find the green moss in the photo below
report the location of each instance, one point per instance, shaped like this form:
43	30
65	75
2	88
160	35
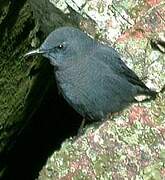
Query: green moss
14	82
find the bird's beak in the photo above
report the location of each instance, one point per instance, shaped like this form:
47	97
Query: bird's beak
36	51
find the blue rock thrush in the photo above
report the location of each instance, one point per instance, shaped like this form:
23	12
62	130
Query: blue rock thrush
90	75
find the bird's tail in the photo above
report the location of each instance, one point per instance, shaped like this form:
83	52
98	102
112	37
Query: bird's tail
152	94
147	94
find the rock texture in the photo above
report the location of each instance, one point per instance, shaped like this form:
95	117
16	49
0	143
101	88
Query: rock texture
129	145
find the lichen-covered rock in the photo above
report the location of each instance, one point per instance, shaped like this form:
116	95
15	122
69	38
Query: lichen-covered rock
131	144
113	151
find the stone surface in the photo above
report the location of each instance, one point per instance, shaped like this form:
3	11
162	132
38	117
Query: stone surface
130	144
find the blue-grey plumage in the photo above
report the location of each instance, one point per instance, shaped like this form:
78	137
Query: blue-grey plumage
90	75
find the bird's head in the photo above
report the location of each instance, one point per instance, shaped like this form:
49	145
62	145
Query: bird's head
65	45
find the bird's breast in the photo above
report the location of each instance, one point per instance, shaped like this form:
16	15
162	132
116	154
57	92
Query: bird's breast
75	75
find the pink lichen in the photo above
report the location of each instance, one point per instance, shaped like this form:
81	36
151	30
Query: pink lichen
141	114
153	2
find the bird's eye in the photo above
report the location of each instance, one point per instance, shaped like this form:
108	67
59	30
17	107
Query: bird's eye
60	46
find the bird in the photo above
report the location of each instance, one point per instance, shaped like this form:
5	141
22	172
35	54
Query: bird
90	75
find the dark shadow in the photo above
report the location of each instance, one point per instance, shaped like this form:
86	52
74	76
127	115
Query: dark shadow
12	16
51	123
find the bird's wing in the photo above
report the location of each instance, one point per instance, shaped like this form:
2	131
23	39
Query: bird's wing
111	58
